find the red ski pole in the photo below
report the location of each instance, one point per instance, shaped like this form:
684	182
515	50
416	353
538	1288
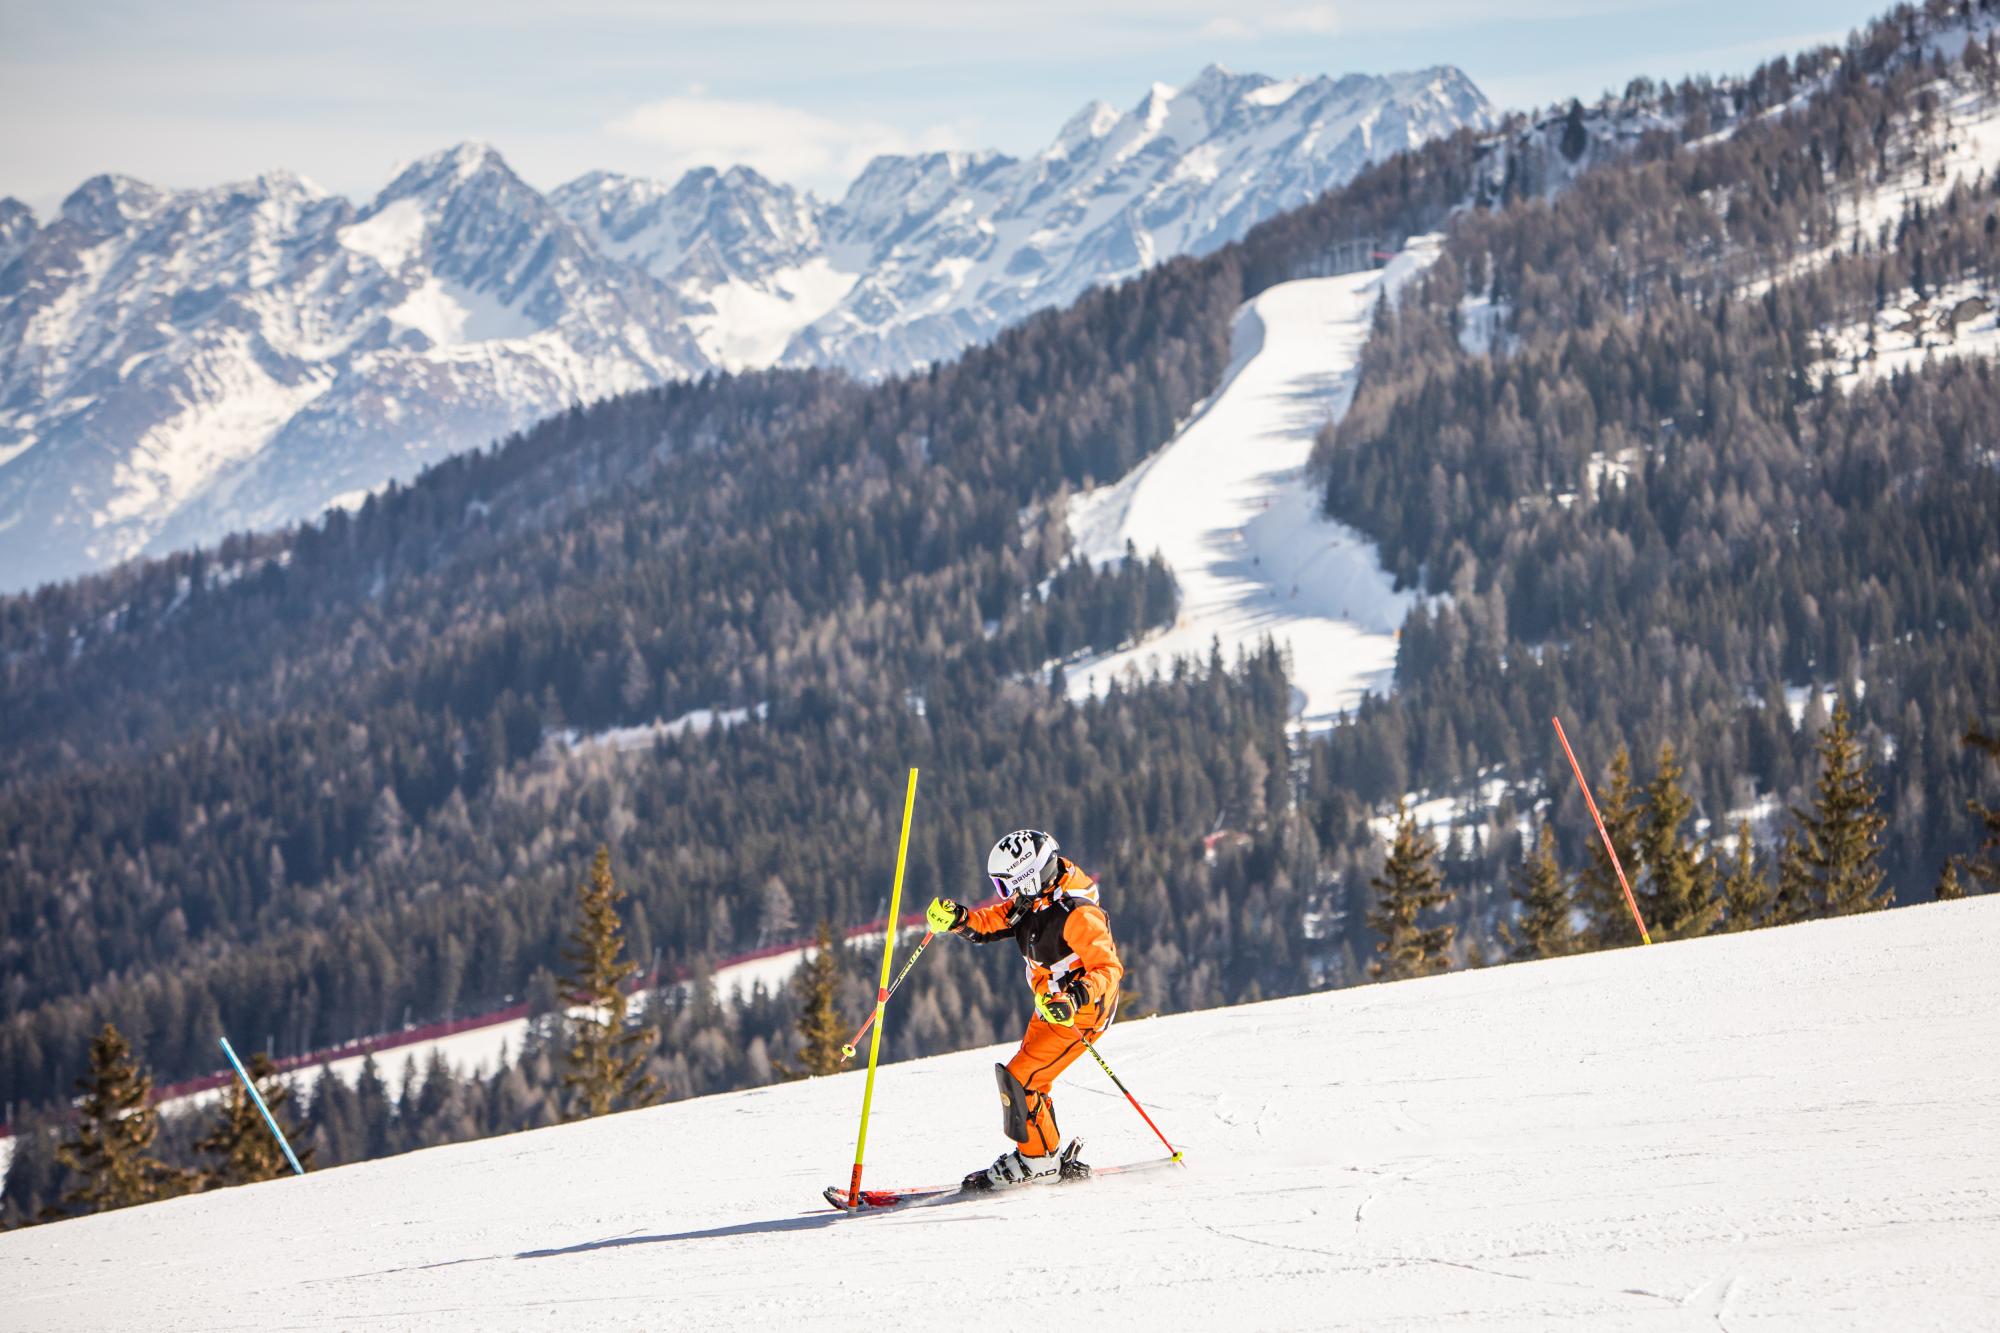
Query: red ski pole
1088	1045
1630	901
847	1051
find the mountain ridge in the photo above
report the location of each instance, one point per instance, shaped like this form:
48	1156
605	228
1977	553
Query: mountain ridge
176	365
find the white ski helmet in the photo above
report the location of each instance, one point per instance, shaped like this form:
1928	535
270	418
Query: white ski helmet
1022	863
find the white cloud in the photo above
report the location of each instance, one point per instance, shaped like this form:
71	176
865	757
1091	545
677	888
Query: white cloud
784	142
1311	20
1319	20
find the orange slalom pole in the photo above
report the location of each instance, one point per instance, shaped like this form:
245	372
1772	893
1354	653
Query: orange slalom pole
1575	768
882	993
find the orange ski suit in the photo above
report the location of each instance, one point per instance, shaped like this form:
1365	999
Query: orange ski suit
1066	942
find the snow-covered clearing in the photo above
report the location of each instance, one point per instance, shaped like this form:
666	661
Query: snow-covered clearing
648	734
1228	505
1955	320
1785	1129
1436	815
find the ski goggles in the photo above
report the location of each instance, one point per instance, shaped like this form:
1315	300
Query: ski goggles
1024	885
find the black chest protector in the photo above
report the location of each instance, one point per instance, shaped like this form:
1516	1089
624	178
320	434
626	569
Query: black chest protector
1039	931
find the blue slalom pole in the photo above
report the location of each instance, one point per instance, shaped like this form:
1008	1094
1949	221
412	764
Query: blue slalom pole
258	1098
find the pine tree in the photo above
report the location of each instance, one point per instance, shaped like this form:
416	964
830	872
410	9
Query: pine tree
818	983
241	1142
1949	887
1408	885
1832	864
1574	137
1543	929
1677	893
1598	890
606	1056
1746	893
109	1150
1793	898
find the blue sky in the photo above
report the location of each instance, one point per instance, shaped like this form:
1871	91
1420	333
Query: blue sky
204	91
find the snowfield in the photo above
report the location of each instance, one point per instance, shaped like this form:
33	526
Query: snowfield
1229	506
1789	1129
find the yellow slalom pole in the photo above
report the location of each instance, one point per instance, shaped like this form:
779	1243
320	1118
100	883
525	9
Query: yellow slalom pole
882	991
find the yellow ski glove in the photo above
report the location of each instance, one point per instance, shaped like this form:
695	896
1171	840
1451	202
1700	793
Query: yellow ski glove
943	914
1057	1009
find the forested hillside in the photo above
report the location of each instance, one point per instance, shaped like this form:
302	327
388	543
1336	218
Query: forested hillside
305	784
1662	496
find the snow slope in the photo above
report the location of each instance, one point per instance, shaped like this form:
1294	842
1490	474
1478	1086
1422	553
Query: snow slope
1229	506
1787	1129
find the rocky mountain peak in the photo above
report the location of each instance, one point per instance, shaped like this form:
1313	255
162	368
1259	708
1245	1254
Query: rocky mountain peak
106	205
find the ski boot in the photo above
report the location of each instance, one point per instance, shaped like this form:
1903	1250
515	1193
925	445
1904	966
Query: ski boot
1072	1166
1011	1169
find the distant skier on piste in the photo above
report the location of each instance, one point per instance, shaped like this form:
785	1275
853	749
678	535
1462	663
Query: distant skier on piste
1049	908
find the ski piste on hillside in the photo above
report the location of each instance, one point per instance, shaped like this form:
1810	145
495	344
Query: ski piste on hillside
1786	1129
1227	503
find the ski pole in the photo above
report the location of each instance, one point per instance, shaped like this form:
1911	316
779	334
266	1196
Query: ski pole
258	1098
1578	770
847	1051
1101	1064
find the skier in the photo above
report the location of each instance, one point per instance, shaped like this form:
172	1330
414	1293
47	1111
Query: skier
1049	908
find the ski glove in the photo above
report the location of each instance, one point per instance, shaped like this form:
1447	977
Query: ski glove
943	914
1057	1009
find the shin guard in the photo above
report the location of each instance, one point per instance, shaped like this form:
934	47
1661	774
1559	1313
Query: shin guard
1013	1105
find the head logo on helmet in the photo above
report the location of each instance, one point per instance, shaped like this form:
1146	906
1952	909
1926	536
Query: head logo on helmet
1022	863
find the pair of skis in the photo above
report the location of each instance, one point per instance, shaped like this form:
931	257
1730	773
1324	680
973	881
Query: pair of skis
923	1196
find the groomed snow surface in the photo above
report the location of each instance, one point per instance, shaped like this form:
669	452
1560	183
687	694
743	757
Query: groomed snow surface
1228	505
1787	1129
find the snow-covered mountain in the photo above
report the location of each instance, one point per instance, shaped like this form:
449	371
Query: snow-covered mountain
176	365
928	253
1787	1129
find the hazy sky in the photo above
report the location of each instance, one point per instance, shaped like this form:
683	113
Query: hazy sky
203	91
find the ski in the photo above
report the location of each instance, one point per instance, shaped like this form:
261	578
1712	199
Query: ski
874	1200
878	1200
